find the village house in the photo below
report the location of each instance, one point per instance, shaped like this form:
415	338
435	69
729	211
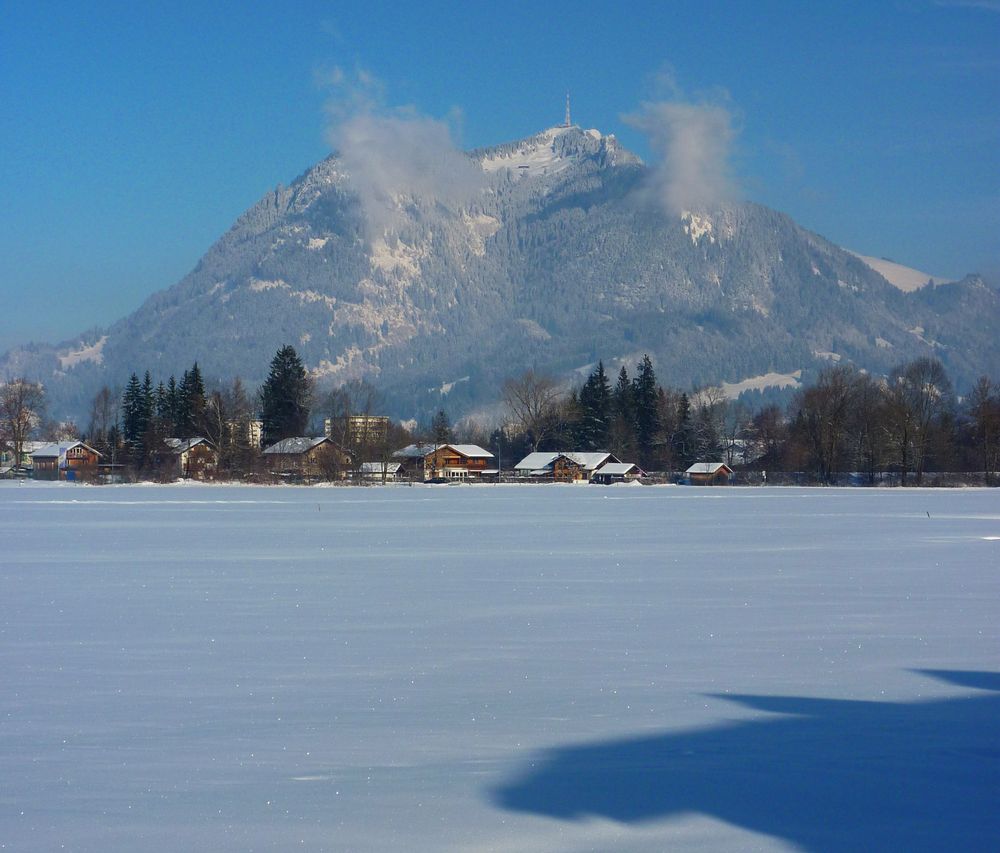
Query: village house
303	456
563	466
195	458
68	460
709	474
617	472
445	461
378	472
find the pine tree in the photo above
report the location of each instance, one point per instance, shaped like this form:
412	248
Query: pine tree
173	413
621	436
285	397
684	438
191	403
647	421
594	403
441	428
136	411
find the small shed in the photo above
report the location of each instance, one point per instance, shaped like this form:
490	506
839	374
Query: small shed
616	472
377	472
709	474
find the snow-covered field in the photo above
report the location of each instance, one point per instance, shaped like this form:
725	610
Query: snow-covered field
498	668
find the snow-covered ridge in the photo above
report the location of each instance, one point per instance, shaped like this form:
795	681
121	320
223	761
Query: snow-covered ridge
548	152
905	278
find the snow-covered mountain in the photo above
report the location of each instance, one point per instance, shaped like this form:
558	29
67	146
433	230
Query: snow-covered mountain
556	255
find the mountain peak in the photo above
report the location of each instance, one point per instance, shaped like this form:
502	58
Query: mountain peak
552	150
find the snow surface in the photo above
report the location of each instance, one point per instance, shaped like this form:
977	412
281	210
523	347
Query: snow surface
498	668
92	352
905	278
535	156
732	390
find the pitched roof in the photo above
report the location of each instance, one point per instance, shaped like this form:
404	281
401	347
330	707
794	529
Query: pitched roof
296	445
180	445
473	451
543	461
415	451
537	461
589	461
619	468
376	467
419	451
54	451
707	468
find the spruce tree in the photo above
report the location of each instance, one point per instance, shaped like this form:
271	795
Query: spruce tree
647	420
191	403
173	412
594	404
132	423
441	428
684	443
285	397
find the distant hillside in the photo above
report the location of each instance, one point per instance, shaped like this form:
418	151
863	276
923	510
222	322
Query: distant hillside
559	259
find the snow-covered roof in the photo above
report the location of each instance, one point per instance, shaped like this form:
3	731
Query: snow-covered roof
377	467
472	450
180	445
418	451
619	468
299	444
707	468
415	451
537	461
542	461
54	451
590	461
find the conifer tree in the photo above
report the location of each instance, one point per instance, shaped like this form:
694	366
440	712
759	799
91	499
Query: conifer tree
594	405
621	434
647	420
285	397
441	428
191	403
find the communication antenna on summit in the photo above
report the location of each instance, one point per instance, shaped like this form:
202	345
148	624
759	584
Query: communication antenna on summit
568	123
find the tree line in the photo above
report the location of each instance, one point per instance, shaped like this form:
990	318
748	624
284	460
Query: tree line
847	421
905	424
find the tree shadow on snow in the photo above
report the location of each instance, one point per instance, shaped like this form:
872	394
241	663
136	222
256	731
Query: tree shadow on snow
828	775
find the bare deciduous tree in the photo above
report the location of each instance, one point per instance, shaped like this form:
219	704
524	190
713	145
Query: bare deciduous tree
21	407
534	400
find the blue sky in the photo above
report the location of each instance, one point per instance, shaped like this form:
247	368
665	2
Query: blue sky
131	137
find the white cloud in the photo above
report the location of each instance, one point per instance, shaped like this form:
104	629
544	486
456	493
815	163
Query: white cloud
393	155
693	146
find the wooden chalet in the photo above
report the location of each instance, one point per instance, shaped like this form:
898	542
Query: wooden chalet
194	458
445	461
69	460
709	474
303	456
563	466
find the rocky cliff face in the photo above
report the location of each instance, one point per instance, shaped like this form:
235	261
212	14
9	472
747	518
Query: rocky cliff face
557	258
